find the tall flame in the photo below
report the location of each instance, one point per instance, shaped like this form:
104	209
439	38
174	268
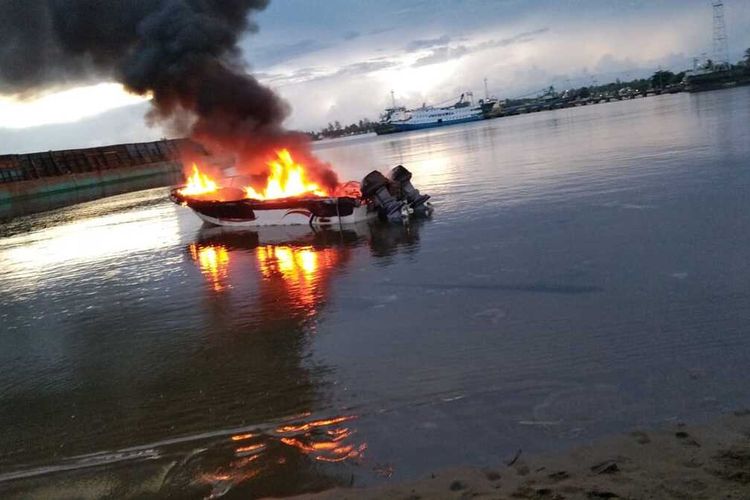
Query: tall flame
198	183
286	179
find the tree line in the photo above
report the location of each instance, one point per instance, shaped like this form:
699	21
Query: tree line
335	129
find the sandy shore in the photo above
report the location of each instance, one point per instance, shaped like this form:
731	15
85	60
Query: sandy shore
682	462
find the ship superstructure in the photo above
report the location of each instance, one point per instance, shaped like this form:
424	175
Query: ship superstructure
401	119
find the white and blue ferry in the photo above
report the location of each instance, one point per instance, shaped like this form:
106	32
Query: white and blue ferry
400	119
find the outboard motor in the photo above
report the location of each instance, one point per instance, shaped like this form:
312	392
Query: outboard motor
375	188
400	176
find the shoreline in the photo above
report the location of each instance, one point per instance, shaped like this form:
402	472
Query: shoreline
679	461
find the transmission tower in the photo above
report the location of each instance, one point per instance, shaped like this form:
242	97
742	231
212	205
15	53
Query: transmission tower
721	43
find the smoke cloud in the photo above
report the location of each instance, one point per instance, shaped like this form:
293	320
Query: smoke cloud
184	53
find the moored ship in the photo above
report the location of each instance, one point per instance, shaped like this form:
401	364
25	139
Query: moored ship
400	119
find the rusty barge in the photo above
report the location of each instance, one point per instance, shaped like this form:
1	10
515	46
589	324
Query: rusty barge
35	182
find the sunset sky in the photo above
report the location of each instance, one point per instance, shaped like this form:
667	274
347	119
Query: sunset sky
339	59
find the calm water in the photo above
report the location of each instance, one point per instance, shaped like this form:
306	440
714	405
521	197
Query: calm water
586	272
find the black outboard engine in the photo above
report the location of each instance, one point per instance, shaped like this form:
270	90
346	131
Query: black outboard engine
401	177
375	188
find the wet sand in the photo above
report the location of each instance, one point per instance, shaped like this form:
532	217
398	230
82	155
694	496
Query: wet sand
679	461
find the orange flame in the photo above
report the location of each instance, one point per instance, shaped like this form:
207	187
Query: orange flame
198	183
286	179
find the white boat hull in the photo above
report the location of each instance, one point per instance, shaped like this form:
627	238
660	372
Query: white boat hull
293	217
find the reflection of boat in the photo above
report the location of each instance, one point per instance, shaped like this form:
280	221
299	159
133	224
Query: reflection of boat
244	408
391	198
273	311
249	407
295	267
214	245
299	254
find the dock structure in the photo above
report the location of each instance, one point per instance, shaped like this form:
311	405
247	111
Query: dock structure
544	103
30	175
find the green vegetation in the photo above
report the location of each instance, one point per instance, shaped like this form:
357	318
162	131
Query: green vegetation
335	129
662	79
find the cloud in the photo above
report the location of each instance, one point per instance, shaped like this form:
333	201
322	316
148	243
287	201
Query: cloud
427	43
364	67
447	53
298	75
269	55
328	74
526	36
379	31
120	125
442	54
609	63
311	74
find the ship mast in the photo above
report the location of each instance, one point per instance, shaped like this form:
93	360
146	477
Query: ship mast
393	99
486	92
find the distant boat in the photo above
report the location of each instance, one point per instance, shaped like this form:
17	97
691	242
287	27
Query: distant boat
714	77
400	119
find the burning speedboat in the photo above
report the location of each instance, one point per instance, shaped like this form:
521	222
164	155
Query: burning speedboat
288	199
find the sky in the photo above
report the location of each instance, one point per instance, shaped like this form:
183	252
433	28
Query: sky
340	59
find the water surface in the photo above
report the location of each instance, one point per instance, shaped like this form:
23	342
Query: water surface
585	273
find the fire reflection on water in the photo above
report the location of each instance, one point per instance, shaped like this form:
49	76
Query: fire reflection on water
252	459
294	270
302	269
292	278
326	445
213	261
300	265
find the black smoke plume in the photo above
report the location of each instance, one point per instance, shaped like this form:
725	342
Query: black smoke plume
184	53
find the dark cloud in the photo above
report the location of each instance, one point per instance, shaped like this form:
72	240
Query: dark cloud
447	53
427	43
184	53
351	35
52	42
